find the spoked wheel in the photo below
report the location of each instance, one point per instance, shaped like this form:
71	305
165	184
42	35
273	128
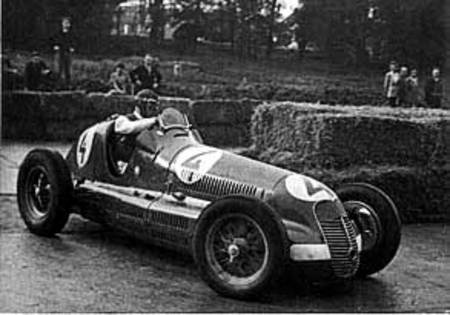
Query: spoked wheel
44	191
378	222
239	247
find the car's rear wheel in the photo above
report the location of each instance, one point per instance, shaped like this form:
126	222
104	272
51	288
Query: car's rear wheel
44	191
378	222
239	248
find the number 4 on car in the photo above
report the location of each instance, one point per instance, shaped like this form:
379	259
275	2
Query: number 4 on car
243	221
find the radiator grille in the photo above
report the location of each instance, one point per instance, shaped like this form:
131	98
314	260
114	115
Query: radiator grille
216	186
341	239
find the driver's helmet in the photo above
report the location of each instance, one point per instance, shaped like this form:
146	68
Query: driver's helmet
146	109
172	117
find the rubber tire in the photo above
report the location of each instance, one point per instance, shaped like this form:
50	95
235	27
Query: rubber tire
58	175
388	243
269	222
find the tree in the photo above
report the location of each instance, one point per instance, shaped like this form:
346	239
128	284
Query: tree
271	21
358	31
29	23
156	11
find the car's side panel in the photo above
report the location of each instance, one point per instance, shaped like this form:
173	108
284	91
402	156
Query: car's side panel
148	215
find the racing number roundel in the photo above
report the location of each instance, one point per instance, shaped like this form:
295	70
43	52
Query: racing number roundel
308	189
194	162
84	146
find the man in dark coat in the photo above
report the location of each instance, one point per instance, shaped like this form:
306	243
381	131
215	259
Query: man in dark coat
64	43
403	86
434	89
147	78
37	73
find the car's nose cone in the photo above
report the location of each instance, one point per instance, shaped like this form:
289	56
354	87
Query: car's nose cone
308	189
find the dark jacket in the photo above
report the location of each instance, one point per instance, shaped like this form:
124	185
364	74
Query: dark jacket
34	76
434	91
147	78
65	41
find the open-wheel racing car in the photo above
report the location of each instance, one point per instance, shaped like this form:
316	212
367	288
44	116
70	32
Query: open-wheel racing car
243	221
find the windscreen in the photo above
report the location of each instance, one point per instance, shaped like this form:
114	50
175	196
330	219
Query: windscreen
171	117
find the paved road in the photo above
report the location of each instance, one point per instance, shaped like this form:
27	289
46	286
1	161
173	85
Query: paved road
89	268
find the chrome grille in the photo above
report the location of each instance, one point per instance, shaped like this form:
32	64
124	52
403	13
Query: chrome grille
216	186
341	239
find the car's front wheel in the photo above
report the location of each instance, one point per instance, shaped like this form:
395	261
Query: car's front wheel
44	191
378	222
239	248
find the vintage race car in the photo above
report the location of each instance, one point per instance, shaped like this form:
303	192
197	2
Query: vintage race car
243	221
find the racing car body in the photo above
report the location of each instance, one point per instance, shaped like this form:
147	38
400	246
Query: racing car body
242	220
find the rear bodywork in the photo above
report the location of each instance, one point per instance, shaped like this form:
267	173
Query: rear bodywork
171	178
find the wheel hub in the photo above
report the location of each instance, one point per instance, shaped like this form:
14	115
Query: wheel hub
39	191
233	252
237	249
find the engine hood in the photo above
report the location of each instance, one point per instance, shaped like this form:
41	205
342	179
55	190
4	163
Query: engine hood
191	164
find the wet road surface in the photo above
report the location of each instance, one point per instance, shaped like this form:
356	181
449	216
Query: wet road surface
89	268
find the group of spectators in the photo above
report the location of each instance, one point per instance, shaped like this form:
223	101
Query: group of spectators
402	87
143	81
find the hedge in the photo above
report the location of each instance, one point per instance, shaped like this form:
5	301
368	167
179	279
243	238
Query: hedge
225	135
222	111
62	116
59	115
337	137
278	92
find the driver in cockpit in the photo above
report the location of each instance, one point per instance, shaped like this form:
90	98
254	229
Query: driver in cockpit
126	129
134	123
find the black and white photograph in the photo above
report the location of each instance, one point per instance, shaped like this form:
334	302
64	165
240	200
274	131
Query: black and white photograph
225	156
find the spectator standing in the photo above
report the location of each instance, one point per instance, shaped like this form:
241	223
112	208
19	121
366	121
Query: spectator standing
391	80
37	73
147	78
11	78
402	86
64	48
434	89
412	88
120	81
